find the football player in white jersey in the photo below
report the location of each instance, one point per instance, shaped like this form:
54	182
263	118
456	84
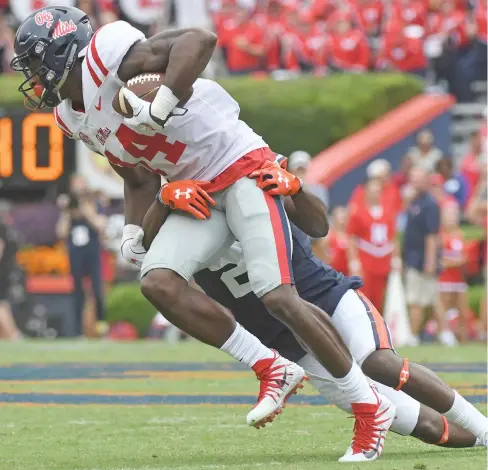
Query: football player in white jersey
204	148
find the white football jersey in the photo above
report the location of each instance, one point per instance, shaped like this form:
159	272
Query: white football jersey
200	144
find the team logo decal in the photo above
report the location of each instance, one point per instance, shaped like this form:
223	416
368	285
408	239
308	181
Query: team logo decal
85	138
44	17
63	28
103	134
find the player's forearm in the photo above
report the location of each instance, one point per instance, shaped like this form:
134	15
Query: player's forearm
188	57
137	200
153	221
308	213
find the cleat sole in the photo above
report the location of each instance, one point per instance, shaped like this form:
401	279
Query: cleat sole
270	418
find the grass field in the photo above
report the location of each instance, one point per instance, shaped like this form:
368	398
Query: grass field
106	406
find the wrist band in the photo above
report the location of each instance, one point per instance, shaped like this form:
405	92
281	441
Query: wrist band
164	102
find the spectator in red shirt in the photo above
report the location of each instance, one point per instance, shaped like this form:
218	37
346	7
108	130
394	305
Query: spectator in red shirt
400	178
333	247
471	163
372	242
380	170
452	281
243	41
451	24
274	22
370	15
304	45
348	49
401	13
402	52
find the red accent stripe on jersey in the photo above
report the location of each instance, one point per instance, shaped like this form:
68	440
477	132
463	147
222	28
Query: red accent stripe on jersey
93	74
61	123
96	57
117	161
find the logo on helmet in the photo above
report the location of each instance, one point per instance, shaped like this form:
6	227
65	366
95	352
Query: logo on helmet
44	17
63	28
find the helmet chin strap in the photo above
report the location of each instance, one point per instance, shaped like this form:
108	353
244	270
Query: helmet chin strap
69	66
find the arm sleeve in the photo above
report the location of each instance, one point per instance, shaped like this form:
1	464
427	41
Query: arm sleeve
109	46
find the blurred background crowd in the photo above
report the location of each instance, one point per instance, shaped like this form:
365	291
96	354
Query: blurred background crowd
443	41
426	221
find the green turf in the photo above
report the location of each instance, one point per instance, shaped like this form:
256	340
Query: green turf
155	351
94	437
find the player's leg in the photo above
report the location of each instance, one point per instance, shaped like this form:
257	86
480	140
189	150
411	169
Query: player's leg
425	386
182	247
260	224
412	418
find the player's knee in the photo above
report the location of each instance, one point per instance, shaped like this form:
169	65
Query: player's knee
430	426
386	367
161	285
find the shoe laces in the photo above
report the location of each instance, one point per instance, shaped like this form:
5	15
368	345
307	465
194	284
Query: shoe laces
271	382
366	433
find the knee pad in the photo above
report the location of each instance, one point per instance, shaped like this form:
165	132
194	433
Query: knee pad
404	375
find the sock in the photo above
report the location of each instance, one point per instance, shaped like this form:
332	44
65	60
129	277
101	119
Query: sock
356	387
245	347
467	416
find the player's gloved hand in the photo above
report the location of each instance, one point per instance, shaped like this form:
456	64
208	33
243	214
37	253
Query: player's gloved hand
188	196
131	248
276	180
142	117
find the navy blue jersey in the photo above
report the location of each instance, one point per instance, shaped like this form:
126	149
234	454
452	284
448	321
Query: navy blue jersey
315	281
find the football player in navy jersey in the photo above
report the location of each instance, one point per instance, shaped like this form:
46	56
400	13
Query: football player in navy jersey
426	407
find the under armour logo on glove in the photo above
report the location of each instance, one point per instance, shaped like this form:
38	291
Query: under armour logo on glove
186	193
283	180
276	180
195	200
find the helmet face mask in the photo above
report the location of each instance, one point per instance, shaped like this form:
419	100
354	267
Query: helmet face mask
46	56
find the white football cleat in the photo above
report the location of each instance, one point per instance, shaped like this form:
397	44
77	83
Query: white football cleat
280	378
372	423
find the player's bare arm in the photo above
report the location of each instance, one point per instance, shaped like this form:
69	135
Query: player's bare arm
308	213
140	186
304	209
181	54
153	221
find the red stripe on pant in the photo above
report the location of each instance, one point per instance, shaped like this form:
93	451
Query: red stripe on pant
378	323
282	249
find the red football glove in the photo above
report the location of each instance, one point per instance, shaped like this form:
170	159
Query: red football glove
188	196
274	179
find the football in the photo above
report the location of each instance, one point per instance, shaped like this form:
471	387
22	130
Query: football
145	86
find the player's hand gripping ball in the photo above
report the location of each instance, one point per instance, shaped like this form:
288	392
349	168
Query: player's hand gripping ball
187	196
276	180
133	101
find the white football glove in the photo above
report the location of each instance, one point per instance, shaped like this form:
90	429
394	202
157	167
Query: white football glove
132	249
142	118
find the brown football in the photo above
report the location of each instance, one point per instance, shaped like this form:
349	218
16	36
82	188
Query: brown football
145	86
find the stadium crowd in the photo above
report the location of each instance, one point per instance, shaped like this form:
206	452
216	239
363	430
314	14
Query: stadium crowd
443	41
411	222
